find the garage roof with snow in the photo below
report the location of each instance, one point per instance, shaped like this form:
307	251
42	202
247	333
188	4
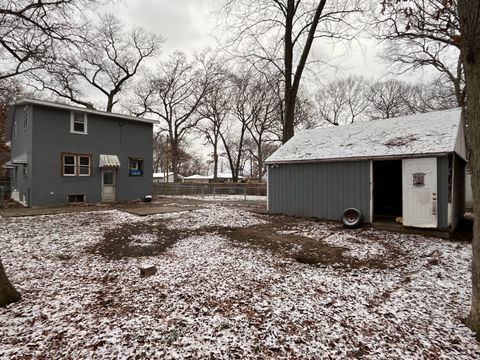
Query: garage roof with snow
431	133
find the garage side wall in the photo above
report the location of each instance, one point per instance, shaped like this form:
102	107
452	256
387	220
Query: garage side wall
321	190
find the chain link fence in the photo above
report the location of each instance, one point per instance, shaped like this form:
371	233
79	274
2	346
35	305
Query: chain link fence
244	190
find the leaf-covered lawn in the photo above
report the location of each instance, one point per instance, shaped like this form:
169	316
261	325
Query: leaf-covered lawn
230	284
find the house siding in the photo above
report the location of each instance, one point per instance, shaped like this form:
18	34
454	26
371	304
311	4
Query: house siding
442	192
322	190
22	144
52	137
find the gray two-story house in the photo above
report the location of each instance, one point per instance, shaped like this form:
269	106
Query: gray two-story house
66	154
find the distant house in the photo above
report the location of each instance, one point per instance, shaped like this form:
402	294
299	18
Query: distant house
65	154
164	177
411	167
221	177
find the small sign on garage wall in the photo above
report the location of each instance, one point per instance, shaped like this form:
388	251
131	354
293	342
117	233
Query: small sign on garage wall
418	179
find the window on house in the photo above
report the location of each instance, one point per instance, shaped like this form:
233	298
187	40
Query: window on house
135	167
76	165
25	117
78	123
76	198
84	165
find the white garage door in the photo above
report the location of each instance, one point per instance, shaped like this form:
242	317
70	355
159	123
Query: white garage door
420	192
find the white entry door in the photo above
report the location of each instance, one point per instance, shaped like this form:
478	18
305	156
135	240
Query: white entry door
108	184
420	192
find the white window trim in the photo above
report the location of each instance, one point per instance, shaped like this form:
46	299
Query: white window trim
74	165
80	166
85	121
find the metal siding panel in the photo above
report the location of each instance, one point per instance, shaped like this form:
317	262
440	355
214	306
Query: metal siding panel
320	190
330	173
311	190
442	191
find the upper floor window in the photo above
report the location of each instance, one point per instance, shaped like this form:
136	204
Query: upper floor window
78	122
135	167
76	165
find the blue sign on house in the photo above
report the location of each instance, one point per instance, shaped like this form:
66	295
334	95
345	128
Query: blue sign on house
135	172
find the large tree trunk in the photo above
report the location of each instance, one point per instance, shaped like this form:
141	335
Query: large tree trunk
469	14
8	294
215	158
175	152
260	161
288	128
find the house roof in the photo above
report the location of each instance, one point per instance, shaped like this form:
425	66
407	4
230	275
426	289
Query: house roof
210	177
24	101
161	175
431	133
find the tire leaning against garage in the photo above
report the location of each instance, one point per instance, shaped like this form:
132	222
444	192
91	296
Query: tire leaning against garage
352	218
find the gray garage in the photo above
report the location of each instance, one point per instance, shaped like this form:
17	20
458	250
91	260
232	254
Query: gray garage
409	169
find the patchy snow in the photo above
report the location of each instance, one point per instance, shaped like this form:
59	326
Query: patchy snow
220	197
142	239
213	299
361	248
428	133
214	215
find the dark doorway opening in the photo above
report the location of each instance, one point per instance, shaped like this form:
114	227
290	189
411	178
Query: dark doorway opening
387	189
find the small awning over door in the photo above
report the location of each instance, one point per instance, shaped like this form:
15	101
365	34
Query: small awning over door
109	161
20	160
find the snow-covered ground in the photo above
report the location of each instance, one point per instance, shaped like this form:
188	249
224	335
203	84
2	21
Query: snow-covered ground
220	197
214	298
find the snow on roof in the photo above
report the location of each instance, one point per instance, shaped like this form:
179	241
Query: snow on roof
164	174
196	176
210	177
427	133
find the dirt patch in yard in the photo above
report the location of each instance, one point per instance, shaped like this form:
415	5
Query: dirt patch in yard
275	237
136	240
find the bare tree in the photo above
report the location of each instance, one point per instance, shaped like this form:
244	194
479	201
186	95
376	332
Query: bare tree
387	99
107	60
10	88
28	28
421	98
8	294
469	17
281	33
343	101
244	108
261	140
161	153
422	33
174	96
214	111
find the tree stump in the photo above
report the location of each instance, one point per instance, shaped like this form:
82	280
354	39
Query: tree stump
147	270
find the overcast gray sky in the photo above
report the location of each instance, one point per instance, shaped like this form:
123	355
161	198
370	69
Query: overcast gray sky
189	26
184	24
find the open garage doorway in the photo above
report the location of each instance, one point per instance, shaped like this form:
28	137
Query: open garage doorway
387	189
